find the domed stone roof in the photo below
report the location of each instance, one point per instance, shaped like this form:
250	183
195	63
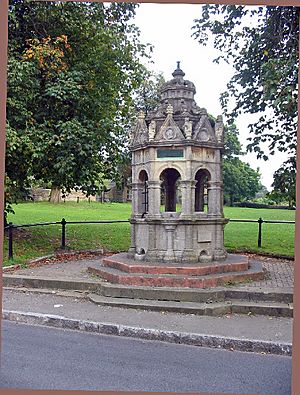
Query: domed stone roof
178	112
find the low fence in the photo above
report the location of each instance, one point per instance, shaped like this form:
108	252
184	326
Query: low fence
10	229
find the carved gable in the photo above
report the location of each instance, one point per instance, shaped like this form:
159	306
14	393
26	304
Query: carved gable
203	130
169	130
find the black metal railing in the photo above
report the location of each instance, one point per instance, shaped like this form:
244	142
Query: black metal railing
260	221
10	228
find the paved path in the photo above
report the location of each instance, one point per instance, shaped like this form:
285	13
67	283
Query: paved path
280	273
237	326
48	358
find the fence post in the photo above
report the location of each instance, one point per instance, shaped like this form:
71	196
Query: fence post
63	234
10	241
77	199
260	221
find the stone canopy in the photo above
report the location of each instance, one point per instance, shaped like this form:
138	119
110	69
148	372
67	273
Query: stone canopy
178	117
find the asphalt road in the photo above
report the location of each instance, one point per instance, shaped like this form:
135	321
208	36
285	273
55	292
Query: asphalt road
48	358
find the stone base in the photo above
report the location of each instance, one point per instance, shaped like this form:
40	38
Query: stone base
120	269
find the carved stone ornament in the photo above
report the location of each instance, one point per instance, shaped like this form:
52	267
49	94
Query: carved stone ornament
169	129
188	128
140	134
219	128
152	130
203	130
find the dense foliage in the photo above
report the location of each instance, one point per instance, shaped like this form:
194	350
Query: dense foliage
284	184
241	182
72	71
262	45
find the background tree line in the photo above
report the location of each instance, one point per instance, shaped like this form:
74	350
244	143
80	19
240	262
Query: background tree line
262	45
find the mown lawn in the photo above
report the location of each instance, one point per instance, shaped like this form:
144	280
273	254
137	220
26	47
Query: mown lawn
32	242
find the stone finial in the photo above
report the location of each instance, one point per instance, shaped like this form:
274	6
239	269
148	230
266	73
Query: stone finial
152	130
141	115
219	129
169	109
188	128
178	72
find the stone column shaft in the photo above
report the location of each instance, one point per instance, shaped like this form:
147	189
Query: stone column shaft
154	197
188	196
214	191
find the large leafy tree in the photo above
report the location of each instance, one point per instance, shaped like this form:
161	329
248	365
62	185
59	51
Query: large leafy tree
284	184
262	45
147	96
241	182
72	70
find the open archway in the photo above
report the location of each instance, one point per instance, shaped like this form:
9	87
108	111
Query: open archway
170	188
202	178
143	192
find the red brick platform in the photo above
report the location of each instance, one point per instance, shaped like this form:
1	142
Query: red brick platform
118	269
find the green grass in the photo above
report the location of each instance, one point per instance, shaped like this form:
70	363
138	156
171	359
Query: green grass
32	242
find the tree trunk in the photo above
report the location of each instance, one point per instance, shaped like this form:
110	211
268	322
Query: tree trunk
55	195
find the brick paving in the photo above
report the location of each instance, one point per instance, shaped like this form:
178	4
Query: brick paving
279	274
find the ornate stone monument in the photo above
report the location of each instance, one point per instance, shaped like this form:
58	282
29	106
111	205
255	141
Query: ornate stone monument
177	221
177	158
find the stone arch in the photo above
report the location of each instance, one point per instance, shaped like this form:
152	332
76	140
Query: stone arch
143	191
202	177
169	178
143	175
165	166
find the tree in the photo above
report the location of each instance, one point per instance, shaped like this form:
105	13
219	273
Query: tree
262	45
241	182
82	62
147	96
284	183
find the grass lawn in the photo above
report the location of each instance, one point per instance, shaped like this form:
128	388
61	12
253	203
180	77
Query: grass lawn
33	242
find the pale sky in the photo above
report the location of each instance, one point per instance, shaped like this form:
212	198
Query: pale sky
168	28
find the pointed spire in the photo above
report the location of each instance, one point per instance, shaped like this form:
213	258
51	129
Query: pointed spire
178	72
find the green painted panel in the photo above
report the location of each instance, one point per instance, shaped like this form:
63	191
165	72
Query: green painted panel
170	153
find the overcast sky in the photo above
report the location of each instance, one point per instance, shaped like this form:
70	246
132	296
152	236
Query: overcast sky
168	28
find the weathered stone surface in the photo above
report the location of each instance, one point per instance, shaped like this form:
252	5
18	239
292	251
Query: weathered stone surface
177	149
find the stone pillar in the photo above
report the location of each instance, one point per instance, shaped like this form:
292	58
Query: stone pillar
151	253
219	250
137	202
169	255
132	248
214	192
189	254
154	198
188	197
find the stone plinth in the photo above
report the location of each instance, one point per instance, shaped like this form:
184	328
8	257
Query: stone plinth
172	238
120	269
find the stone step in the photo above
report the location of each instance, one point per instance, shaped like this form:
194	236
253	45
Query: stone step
116	276
274	309
233	263
150	293
196	294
